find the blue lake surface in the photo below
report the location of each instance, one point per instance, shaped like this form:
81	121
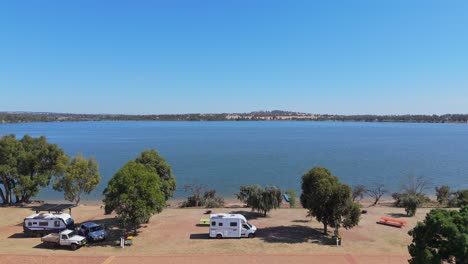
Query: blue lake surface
225	155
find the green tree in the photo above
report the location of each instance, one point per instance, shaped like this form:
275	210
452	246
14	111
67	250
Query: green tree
157	164
37	164
135	194
442	194
441	237
81	177
10	150
328	200
27	165
260	199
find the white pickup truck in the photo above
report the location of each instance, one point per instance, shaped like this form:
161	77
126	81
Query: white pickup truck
65	238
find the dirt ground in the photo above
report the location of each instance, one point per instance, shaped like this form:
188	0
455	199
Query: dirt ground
174	237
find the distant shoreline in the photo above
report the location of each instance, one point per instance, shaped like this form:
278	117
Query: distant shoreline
277	115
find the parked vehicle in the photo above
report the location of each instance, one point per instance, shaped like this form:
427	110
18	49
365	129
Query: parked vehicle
92	231
45	223
65	238
230	225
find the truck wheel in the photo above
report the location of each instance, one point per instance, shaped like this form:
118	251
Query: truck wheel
74	246
219	236
251	235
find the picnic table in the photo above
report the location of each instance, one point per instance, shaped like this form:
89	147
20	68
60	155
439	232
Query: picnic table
392	221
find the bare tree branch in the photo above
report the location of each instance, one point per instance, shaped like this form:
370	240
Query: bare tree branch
376	192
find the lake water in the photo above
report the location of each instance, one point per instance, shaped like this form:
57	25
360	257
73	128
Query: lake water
225	155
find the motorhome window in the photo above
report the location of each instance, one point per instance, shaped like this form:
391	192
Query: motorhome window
35	223
57	223
213	223
64	237
43	223
245	226
220	224
29	223
233	224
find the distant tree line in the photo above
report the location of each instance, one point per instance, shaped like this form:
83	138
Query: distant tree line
20	117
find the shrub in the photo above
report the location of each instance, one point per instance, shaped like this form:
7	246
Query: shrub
442	194
292	198
459	199
411	202
397	197
209	199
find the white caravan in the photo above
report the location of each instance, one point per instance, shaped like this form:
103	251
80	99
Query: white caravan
230	225
45	223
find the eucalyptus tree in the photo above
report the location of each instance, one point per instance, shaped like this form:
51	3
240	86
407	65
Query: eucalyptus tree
81	177
328	200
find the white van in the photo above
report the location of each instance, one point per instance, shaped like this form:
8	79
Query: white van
230	225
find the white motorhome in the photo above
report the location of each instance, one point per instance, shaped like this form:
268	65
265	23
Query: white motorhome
230	225
45	223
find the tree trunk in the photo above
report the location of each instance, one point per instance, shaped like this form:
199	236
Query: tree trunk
25	198
10	197
2	196
264	213
325	226
7	195
77	201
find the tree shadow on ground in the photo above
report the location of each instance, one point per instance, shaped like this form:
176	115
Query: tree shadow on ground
201	236
235	206
114	232
293	234
249	215
300	221
397	215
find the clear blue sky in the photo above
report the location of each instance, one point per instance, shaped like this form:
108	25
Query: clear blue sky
142	57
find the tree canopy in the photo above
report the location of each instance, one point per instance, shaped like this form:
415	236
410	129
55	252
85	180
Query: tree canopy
157	164
328	200
81	176
260	199
27	165
441	237
135	194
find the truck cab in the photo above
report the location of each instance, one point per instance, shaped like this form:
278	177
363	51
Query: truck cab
92	231
65	238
